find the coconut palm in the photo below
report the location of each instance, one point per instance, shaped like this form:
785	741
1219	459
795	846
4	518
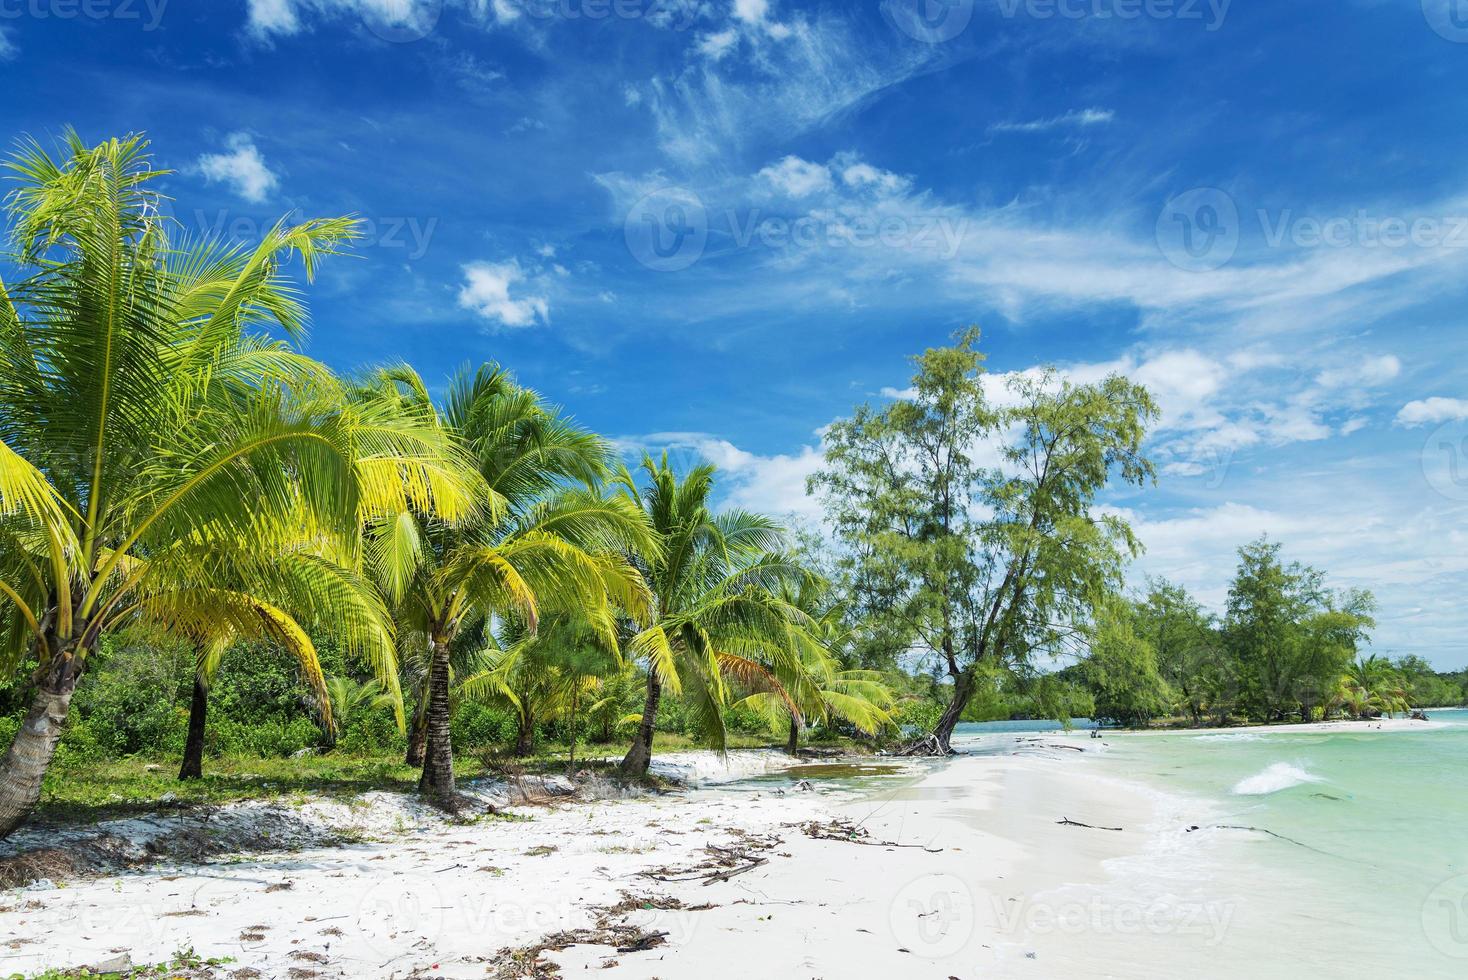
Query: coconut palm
303	590
717	612
814	687
1371	685
153	440
550	675
350	698
545	536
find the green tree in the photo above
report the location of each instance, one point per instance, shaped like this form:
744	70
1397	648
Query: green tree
544	535
1289	637
980	564
152	436
1186	645
1328	643
714	579
1122	674
815	687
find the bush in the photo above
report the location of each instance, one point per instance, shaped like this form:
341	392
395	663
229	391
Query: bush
917	714
134	698
228	736
478	725
372	733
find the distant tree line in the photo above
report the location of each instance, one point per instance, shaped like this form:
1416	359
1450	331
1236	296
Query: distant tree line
1287	648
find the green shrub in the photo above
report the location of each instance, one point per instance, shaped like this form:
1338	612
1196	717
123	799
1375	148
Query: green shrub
267	738
917	714
476	725
372	733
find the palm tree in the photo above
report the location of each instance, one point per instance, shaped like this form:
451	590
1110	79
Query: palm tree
303	587
151	435
1372	685
349	698
549	675
544	536
814	681
717	614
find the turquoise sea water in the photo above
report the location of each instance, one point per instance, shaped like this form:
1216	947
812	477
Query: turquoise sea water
1375	872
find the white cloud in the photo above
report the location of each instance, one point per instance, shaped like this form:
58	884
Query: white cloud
486	291
1077	118
865	175
767	484
1428	411
268	17
790	77
1369	371
1211	408
718	44
272	18
795	177
751	11
242	167
8	50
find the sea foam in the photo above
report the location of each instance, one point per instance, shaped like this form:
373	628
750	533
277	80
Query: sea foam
1280	775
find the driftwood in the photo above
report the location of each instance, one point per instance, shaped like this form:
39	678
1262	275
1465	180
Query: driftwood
810	752
1262	830
927	745
646	940
1067	822
726	875
850	833
723	863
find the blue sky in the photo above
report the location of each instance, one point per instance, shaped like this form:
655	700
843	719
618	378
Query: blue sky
718	225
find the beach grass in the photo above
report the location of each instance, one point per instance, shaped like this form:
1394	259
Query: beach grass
111	788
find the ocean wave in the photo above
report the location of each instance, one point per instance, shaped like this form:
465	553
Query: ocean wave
1235	737
1273	778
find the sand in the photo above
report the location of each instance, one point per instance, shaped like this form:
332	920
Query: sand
964	871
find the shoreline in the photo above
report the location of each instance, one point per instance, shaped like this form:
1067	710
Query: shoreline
1034	854
949	869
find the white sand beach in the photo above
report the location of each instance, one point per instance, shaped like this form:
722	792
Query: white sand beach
958	868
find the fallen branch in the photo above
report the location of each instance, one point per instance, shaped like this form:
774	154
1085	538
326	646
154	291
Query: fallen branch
1067	822
1262	830
927	745
850	833
726	875
645	941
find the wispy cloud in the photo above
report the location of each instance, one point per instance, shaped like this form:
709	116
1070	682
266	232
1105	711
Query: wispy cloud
267	19
1075	119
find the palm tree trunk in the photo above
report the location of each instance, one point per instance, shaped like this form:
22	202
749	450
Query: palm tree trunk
30	754
571	755
418	733
525	737
792	746
438	761
193	756
639	756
